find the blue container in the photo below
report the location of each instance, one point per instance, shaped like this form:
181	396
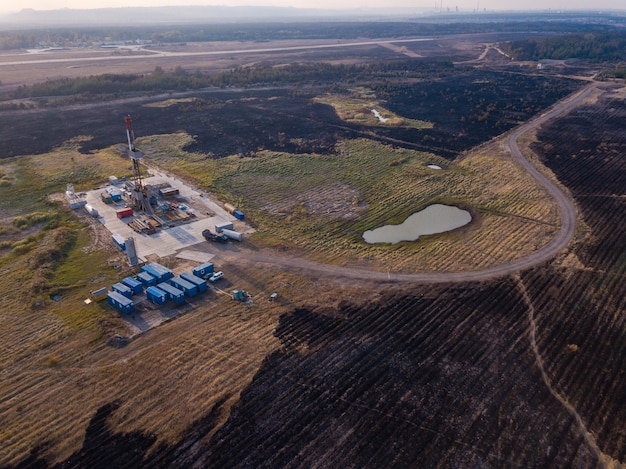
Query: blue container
125	305
204	270
158	271
173	293
135	285
115	193
238	214
156	295
122	290
119	241
189	288
197	281
146	279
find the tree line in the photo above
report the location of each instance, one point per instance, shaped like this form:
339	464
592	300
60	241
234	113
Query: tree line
179	80
167	34
594	46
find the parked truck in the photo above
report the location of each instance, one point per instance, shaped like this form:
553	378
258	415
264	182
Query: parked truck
214	237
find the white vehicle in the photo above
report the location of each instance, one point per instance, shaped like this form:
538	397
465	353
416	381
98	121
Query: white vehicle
216	276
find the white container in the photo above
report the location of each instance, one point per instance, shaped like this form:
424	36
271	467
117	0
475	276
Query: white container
235	235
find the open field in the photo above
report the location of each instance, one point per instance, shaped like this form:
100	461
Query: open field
338	198
525	370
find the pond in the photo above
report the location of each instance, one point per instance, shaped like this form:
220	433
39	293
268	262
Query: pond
378	116
436	218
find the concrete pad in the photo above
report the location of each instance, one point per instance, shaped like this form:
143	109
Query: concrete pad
168	241
199	256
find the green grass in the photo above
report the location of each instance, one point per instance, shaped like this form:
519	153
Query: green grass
44	249
357	108
335	198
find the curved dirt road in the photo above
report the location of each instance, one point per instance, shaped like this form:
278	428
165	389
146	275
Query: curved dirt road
560	241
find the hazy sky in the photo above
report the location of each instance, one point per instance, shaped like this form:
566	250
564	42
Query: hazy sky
16	5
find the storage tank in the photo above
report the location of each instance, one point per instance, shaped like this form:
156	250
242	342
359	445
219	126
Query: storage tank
197	281
91	210
229	208
233	235
156	295
173	293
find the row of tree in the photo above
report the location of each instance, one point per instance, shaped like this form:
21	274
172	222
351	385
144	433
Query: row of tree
12	39
179	80
597	47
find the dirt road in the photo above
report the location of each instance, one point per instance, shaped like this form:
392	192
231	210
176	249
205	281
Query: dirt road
566	207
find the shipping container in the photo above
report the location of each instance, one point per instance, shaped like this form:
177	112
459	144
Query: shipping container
197	281
124	213
173	293
204	270
146	279
169	191
156	295
188	288
99	294
122	289
238	214
158	271
113	180
115	193
223	226
233	235
135	285
119	241
106	198
125	305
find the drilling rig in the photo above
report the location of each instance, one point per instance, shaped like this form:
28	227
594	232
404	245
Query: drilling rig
140	198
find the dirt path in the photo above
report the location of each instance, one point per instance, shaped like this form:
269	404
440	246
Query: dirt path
566	207
604	459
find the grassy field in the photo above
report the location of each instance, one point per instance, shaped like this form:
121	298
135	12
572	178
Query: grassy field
368	185
52	259
358	107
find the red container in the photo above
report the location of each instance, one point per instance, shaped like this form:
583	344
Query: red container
124	212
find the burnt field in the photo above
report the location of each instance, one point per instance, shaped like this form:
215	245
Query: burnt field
466	108
525	371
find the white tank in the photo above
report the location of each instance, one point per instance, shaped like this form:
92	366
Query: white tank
91	211
233	235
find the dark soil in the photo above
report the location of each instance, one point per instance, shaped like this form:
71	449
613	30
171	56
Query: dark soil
586	151
438	376
466	109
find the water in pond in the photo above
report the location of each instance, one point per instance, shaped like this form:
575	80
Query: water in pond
436	218
378	116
